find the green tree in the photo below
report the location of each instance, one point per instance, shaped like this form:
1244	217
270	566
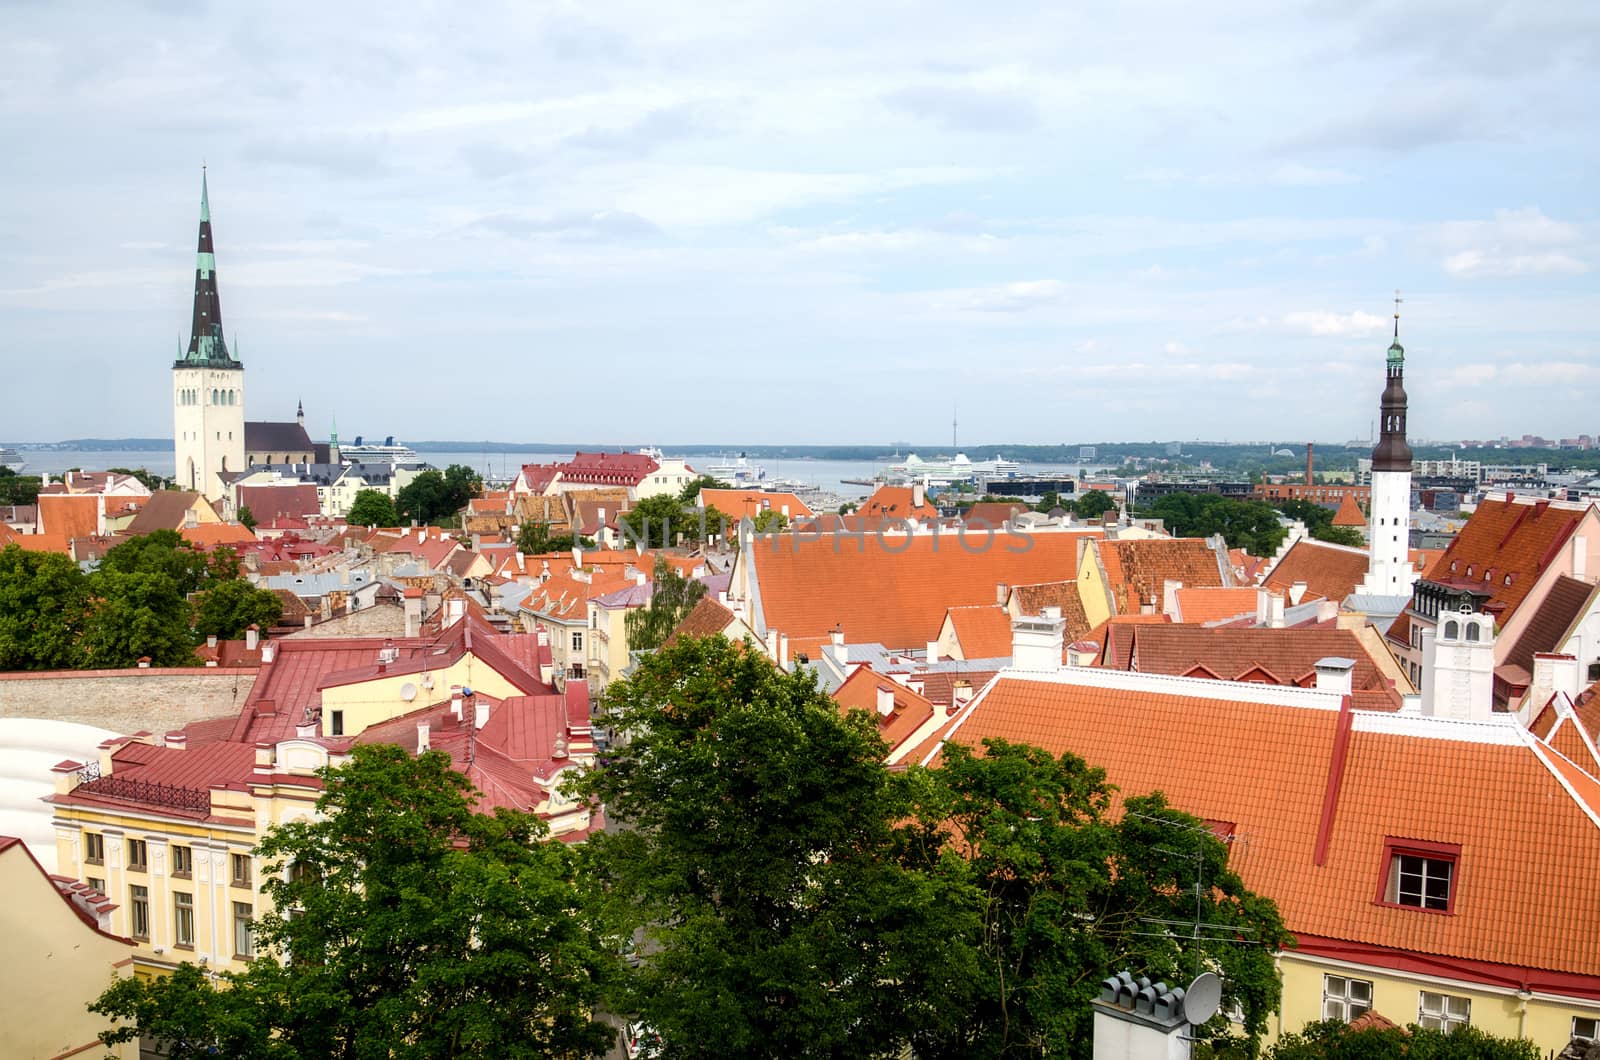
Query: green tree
760	859
247	518
18	489
166	552
770	521
229	608
659	522
1049	502
407	926
44	601
1318	521
1334	1040
1093	504
463	483
690	493
672	596
425	498
1341	535
137	614
150	481
1251	525
1069	896
372	508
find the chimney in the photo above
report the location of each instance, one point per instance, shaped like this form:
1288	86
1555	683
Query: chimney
269	651
412	606
422	737
1297	592
1580	557
1274	611
211	640
1169	597
264	759
480	709
835	648
477	541
1458	666
1310	478
960	695
455	702
1553	674
885	701
577	554
1335	674
1135	1019
1037	641
933	651
144	662
1001	592
783	651
252	637
919	494
177	739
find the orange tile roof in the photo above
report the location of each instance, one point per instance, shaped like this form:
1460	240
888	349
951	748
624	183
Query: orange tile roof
1331	572
1349	513
706	619
1266	768
1269	656
69	514
911	711
1031	599
208	535
894	590
43	543
1137	571
982	630
1505	540
993	513
1214	605
895	502
738	504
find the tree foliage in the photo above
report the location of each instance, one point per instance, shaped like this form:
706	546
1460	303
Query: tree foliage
1318	521
769	521
535	539
1069	895
44	601
247	518
434	496
663	521
420	929
18	489
760	860
372	508
1093	504
1334	1040
672	597
231	607
690	493
1250	525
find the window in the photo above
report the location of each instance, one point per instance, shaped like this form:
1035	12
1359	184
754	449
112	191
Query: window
182	860
139	911
1344	998
336	723
1443	1012
1420	881
95	883
244	936
136	856
1585	1028
94	848
577	641
241	869
182	919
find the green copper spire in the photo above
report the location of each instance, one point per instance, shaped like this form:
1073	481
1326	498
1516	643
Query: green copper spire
207	348
1397	352
205	199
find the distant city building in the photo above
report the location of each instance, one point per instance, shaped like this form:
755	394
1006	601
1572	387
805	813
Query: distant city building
1086	452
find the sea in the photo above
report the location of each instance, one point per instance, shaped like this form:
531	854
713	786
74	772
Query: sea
839	478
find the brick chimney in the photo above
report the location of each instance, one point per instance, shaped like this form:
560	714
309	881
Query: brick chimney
1310	477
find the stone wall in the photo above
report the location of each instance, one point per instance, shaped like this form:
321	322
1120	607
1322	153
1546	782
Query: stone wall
126	700
379	620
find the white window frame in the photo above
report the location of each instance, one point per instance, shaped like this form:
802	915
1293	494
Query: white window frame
182	919
1428	873
1438	1011
1341	998
1591	1033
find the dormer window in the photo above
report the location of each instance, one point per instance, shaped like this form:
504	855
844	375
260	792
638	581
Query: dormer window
1420	875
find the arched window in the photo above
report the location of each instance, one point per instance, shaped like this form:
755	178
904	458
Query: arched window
1472	631
1452	630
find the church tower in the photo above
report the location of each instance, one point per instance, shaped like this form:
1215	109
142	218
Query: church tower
207	383
1389	570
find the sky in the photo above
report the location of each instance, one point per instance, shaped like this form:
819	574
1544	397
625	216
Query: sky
779	223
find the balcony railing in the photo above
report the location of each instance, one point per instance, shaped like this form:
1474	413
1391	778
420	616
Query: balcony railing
115	787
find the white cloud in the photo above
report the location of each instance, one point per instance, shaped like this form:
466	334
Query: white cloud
1478	264
1520	242
1338	325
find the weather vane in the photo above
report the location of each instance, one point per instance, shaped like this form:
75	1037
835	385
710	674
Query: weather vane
1397	313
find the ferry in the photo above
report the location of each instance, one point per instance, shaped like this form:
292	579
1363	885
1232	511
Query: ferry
959	469
740	472
11	460
360	452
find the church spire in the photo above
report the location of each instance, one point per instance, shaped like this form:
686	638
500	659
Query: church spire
206	344
1393	453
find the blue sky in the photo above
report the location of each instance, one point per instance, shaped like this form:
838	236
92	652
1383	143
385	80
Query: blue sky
780	223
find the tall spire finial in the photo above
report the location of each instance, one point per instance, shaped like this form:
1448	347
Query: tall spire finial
1397	314
205	196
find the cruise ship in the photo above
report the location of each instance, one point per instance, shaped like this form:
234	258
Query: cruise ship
958	469
360	452
10	459
740	472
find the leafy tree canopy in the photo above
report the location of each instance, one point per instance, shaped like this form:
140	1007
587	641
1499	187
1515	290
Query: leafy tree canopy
691	490
769	521
672	597
1318	521
372	508
1250	525
535	538
1334	1040
421	929
231	607
760	859
247	518
18	489
1093	504
151	482
661	521
434	496
44	602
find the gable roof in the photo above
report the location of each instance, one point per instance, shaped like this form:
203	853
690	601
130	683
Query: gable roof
993	513
1349	513
893	590
1200	606
707	618
267	503
607	469
69	515
1032	599
1137	571
895	502
739	504
982	630
910	712
1315	793
1506	545
1329	571
168	510
261	436
1548	626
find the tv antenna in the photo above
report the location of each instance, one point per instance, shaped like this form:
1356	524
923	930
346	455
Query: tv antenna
1199	929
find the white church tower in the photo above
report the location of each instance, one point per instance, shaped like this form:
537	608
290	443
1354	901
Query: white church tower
207	384
1389	570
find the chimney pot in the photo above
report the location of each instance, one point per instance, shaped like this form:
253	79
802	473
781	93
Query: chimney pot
422	737
885	701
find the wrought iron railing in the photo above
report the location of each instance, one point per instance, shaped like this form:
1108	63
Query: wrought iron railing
115	787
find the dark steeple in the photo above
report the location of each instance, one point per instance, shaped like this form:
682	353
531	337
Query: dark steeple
206	346
1392	453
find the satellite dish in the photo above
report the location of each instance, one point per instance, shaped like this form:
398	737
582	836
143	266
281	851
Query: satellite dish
1201	1000
408	691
